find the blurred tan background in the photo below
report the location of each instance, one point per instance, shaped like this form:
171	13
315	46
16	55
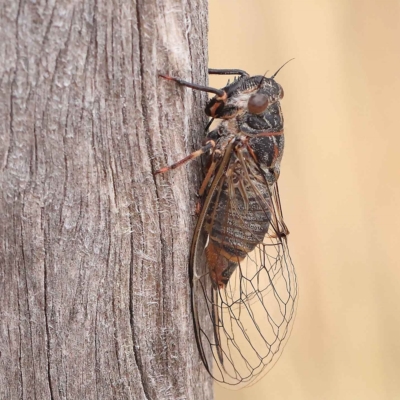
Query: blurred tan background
340	185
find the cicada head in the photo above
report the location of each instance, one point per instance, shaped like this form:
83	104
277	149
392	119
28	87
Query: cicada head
253	94
268	93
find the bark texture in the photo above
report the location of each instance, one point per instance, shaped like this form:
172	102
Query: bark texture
94	290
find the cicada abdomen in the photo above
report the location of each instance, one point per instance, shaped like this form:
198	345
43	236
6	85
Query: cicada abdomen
237	218
243	282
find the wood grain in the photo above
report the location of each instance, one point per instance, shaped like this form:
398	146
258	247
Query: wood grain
94	291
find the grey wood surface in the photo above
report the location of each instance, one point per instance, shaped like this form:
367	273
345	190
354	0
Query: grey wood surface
94	289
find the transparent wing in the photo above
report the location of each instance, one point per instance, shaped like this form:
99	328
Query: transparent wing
241	328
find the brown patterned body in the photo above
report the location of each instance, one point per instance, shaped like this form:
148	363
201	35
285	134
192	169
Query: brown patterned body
243	282
236	227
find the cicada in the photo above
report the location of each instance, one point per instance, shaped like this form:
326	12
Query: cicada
243	283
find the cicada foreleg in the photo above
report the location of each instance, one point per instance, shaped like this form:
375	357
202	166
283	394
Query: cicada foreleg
219	92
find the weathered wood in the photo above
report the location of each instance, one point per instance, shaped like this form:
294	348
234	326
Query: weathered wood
94	291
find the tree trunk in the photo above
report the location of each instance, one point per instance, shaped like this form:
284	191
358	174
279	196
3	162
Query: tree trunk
94	289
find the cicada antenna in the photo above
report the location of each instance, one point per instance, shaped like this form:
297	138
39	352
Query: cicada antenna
276	73
261	80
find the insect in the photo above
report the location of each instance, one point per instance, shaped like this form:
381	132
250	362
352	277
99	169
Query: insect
243	283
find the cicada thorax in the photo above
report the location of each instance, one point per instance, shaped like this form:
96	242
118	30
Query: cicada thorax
266	138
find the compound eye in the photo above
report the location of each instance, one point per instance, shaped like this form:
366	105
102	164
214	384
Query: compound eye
258	103
281	93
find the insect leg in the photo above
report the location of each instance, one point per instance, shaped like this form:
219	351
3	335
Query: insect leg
208	146
209	124
214	71
210	173
208	89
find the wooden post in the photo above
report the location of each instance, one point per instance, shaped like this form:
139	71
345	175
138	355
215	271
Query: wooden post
94	289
